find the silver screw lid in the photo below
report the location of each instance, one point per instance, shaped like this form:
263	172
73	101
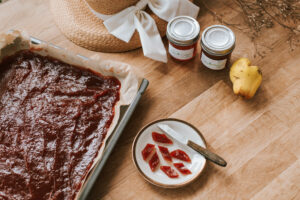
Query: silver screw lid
218	40
183	30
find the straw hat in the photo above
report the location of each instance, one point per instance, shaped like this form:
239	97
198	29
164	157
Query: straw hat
79	24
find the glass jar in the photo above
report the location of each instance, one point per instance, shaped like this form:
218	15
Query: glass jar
183	33
217	44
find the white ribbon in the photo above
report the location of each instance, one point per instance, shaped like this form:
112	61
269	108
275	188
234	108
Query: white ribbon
123	24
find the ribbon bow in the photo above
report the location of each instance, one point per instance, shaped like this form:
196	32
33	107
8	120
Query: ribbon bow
123	24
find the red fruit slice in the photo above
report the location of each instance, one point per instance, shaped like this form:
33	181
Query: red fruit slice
181	155
160	137
169	171
182	168
165	153
154	162
149	148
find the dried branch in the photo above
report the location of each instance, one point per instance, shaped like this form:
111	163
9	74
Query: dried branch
264	14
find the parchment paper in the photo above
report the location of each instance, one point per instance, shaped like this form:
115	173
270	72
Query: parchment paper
14	41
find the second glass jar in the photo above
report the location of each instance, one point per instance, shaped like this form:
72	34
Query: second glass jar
217	44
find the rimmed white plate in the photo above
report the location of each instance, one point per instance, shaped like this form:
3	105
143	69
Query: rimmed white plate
158	177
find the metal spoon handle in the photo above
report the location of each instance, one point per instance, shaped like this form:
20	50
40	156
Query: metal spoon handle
207	154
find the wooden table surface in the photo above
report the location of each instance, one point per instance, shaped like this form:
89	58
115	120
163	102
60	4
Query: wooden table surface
259	138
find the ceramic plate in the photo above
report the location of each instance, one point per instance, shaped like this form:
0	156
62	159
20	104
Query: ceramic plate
158	177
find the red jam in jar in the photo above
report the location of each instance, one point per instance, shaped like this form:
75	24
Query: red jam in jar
217	43
183	34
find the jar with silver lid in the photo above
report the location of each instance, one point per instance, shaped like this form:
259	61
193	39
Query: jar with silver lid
217	43
183	33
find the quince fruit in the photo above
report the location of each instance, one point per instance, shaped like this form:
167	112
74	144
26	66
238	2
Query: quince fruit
245	78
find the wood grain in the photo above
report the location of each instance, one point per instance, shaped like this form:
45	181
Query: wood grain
259	138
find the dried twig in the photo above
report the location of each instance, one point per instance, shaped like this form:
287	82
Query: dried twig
263	14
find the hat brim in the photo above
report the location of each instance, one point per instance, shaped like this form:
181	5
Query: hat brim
81	26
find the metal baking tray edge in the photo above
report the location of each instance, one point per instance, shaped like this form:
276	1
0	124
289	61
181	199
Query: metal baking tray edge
126	113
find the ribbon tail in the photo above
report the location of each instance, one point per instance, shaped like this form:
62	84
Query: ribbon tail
152	44
121	25
164	9
186	7
167	9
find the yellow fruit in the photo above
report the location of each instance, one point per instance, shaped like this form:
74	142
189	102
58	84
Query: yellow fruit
246	79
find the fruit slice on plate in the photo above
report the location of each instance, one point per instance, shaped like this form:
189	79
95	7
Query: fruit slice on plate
162	138
180	167
169	171
149	148
165	153
154	162
180	155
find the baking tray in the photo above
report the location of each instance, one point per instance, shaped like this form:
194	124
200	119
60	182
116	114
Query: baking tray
125	114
